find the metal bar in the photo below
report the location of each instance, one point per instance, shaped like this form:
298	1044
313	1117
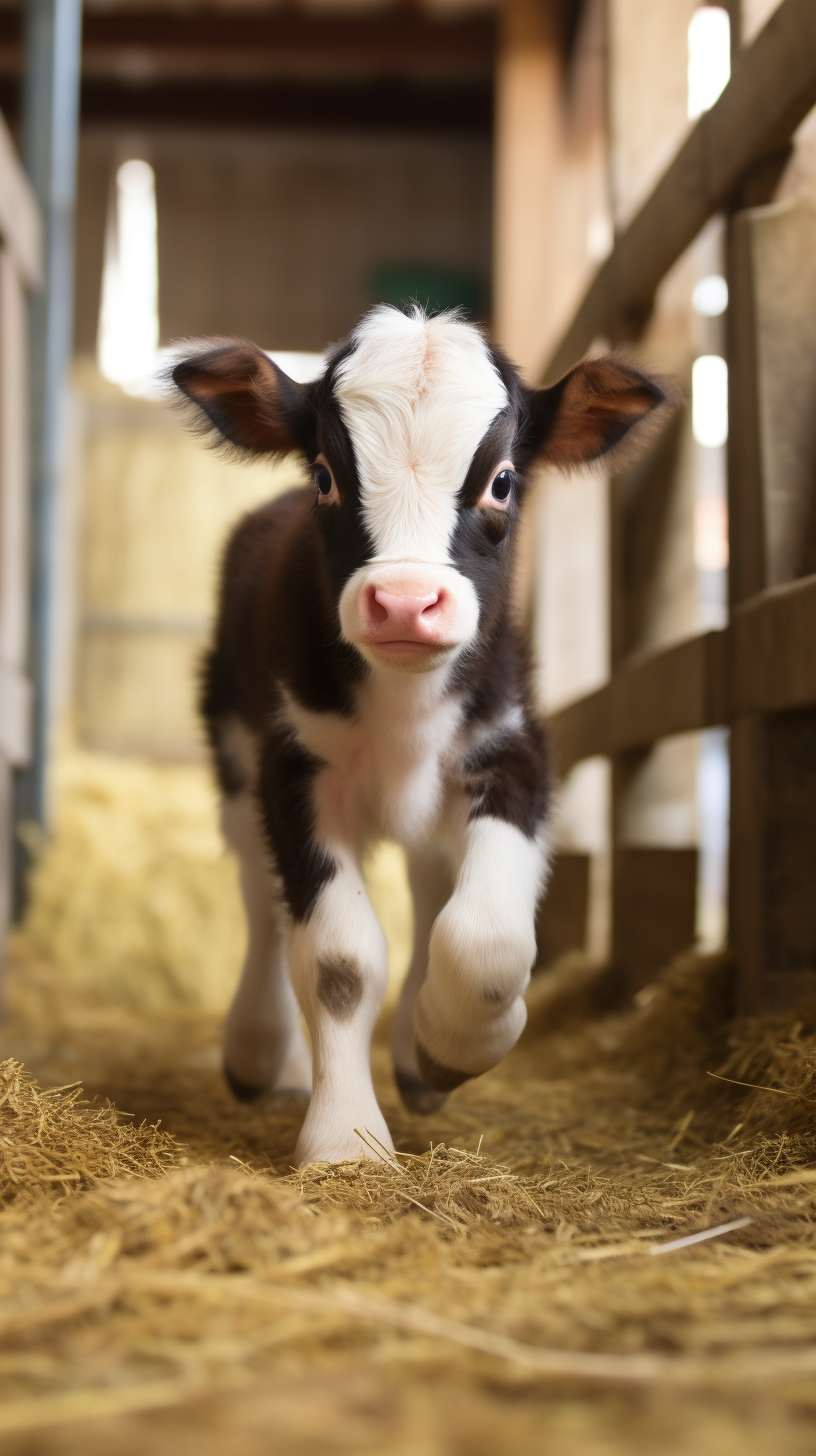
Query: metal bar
50	127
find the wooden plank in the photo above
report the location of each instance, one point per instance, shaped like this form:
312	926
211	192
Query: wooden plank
772	651
772	88
242	43
13	467
654	909
677	690
15	717
581	730
789	960
764	662
747	900
20	227
561	924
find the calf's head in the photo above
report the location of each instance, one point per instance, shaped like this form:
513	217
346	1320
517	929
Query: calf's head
420	438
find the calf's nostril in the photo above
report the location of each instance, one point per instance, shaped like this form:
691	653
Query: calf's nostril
377	610
432	606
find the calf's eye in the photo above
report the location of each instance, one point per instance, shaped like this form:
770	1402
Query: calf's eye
499	491
503	484
324	480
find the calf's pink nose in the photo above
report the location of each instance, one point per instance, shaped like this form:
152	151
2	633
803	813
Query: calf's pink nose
410	616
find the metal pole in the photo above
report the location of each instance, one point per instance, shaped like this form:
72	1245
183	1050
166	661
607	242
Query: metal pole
50	131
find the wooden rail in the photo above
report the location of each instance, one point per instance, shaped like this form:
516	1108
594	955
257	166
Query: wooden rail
772	88
763	661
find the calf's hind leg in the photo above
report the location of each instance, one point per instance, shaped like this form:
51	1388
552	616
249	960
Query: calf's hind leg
431	881
264	1046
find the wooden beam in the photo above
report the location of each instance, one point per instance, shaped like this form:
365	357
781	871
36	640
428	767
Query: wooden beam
772	88
651	696
20	228
772	652
140	45
763	662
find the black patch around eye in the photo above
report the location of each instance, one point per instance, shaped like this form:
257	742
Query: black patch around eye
322	479
503	484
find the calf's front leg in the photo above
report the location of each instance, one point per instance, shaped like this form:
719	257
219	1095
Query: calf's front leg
470	1010
340	971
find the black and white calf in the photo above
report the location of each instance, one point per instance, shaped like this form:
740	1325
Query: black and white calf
367	679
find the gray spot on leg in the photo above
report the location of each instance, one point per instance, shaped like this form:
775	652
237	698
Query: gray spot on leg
494	996
339	987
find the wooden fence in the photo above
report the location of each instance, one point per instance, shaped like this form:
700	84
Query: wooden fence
758	674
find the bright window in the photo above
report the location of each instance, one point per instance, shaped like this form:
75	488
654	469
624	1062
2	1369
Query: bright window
709	400
129	315
709	57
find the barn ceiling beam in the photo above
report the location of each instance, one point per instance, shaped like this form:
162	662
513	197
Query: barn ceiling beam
152	45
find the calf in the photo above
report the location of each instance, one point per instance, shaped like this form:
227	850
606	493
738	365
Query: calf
367	679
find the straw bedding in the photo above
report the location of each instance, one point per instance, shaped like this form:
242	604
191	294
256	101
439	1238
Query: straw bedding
169	1283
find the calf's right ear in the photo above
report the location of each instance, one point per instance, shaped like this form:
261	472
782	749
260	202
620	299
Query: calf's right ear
591	411
244	397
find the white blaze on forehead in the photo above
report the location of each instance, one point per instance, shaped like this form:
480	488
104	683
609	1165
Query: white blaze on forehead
416	396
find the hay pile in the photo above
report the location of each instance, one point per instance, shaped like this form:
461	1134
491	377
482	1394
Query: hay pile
56	1142
497	1292
135	893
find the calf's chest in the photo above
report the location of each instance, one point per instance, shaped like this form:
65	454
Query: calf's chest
386	768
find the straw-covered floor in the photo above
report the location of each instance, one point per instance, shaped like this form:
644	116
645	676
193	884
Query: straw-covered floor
169	1284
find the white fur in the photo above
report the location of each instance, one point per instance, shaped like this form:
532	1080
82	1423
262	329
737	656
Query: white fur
416	396
470	1011
386	768
342	925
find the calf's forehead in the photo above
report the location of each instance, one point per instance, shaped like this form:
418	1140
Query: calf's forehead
416	396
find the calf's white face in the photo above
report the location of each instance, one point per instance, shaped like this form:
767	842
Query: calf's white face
419	436
416	397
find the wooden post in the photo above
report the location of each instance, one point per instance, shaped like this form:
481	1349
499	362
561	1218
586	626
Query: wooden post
770	341
527	148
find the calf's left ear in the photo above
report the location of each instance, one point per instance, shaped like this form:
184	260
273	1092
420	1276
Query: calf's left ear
589	411
243	397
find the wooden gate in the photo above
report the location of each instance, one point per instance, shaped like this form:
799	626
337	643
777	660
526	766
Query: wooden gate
757	674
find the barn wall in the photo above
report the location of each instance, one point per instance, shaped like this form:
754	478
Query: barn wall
275	236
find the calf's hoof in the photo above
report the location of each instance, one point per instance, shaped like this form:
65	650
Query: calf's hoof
416	1096
435	1075
242	1091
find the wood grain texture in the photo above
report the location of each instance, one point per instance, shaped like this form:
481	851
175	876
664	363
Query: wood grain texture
772	88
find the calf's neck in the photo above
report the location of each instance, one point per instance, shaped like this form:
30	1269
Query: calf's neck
367	679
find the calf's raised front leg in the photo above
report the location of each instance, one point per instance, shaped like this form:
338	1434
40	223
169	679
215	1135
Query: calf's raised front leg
470	1010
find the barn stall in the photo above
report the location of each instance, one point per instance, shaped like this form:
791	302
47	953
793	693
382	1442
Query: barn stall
607	1243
